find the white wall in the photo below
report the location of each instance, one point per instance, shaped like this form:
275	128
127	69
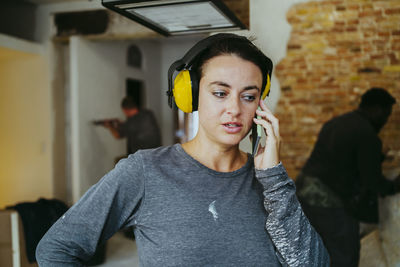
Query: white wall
93	91
98	73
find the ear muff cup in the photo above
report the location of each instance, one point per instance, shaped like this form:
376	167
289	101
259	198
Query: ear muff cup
186	91
267	88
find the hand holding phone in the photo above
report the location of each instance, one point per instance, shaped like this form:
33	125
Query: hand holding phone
267	156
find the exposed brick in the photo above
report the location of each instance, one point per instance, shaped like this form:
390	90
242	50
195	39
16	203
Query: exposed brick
351	29
355	49
286	88
293	20
353	22
340	8
333	58
369	70
343	58
384	34
392	11
280	67
367	7
333	2
353	6
330	63
393	59
370	13
380	56
395	46
294	46
340	23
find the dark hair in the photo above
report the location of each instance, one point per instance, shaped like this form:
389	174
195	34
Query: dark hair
128	102
377	97
234	45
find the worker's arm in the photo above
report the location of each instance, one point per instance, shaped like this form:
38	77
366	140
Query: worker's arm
114	127
369	155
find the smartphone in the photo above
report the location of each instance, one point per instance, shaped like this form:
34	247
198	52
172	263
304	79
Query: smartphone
256	135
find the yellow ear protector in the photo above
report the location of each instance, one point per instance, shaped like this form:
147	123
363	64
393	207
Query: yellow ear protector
184	91
267	88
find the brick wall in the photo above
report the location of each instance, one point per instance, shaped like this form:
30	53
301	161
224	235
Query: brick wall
337	50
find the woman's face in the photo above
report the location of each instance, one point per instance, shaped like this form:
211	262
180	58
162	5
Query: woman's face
228	98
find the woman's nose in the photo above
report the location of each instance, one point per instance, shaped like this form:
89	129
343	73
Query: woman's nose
233	105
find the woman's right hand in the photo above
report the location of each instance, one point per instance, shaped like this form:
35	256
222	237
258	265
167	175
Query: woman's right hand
268	155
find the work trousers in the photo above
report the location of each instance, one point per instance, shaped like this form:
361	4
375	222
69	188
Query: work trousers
339	231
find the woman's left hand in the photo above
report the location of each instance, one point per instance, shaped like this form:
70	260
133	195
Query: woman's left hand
268	156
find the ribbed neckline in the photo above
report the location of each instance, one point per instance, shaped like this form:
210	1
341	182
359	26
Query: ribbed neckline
193	161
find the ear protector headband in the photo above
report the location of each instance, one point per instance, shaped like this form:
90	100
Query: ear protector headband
185	88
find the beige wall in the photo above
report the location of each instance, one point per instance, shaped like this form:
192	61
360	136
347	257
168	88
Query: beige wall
25	158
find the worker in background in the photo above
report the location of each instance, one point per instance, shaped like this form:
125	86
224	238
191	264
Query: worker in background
340	183
140	127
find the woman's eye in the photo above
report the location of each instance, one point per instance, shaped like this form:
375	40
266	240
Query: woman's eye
219	94
249	98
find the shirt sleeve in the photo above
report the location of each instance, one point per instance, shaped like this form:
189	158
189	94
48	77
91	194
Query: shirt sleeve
105	208
296	241
369	163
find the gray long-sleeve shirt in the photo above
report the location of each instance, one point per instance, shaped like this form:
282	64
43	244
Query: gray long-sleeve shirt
185	214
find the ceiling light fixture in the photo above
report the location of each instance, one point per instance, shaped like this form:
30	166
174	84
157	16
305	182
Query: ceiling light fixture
174	17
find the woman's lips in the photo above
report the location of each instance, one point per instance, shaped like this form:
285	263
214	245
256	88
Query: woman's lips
232	127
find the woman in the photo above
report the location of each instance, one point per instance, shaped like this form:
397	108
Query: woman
205	202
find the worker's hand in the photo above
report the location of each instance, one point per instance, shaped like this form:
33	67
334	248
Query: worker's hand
108	124
112	123
268	156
